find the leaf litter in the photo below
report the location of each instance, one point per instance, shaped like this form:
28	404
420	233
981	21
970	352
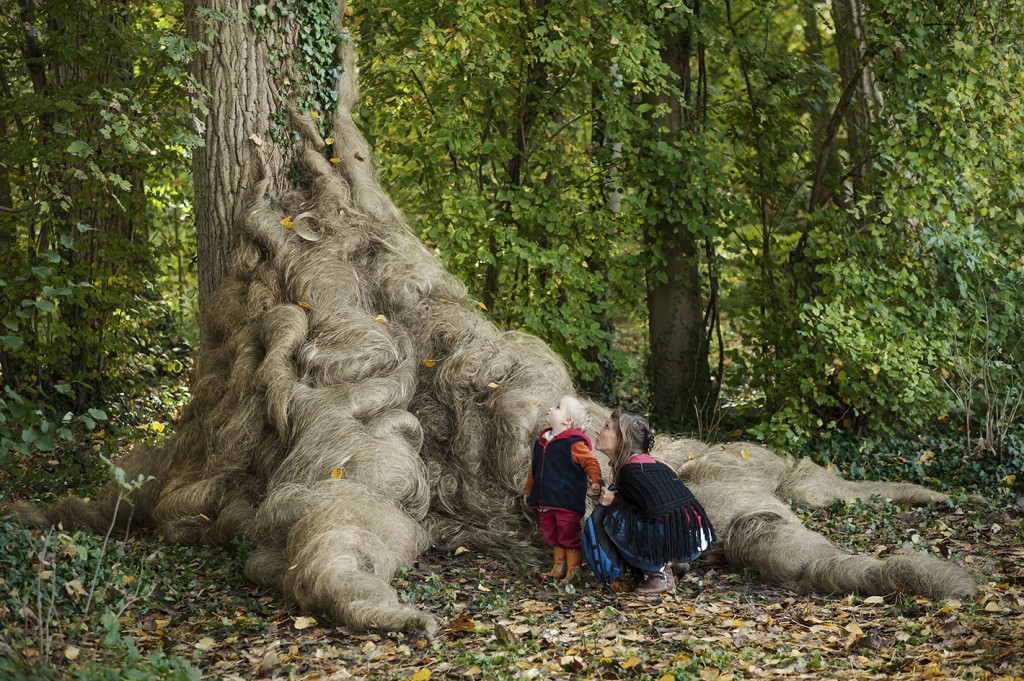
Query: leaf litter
500	622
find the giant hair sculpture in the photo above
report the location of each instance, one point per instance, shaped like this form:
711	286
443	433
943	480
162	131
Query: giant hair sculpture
351	407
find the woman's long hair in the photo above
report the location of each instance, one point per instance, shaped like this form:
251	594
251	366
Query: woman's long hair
635	437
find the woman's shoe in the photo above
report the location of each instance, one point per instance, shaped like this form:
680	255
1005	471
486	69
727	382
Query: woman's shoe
656	582
678	569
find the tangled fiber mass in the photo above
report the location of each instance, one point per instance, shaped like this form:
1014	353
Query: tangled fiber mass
351	406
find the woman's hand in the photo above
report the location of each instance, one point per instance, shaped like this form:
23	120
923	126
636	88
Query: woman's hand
607	497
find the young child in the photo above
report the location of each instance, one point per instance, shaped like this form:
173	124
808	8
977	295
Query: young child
564	471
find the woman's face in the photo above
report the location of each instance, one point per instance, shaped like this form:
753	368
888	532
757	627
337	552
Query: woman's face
608	438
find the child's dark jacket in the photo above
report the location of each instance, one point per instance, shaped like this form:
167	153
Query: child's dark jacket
560	471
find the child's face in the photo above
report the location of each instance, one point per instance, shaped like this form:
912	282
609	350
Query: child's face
556	417
608	438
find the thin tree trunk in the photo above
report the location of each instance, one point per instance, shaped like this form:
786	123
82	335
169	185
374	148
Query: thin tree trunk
856	74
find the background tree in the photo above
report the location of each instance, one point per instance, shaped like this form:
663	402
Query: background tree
94	111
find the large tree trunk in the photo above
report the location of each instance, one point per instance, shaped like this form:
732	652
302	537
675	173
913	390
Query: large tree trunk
243	93
681	388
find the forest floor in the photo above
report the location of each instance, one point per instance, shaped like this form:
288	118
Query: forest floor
500	622
87	607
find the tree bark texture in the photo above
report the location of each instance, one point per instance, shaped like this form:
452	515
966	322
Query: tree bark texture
243	95
681	389
852	46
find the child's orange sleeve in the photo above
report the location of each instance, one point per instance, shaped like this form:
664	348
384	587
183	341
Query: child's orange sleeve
585	459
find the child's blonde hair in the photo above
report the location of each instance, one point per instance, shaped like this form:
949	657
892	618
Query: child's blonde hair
575	410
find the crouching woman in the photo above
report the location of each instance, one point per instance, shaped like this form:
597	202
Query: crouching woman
653	519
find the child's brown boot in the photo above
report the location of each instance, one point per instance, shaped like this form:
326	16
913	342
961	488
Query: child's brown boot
557	565
574	560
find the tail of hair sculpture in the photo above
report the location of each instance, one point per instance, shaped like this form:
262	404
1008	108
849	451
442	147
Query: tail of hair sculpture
352	406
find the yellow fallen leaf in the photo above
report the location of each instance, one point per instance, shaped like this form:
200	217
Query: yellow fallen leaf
874	600
492	385
71	652
329	140
381	318
205	517
303	303
74	588
429	362
745	454
444	300
337	473
992	606
630	662
205	643
287	223
1010	479
305	622
667	677
157	427
335	159
462	549
421	675
854	629
481	305
314	115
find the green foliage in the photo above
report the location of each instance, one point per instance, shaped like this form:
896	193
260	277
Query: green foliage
63	599
56	588
314	56
98	129
495	125
937	458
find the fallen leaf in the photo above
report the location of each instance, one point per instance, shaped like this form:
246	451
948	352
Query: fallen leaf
303	303
492	385
874	600
287	223
462	623
381	318
461	550
335	159
429	362
421	675
72	652
337	473
305	622
329	140
481	305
